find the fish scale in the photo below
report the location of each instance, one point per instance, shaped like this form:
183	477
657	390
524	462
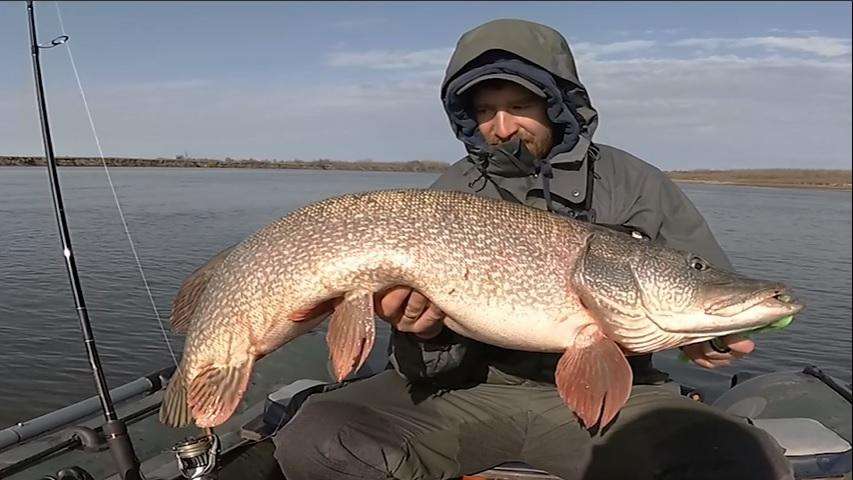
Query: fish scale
504	273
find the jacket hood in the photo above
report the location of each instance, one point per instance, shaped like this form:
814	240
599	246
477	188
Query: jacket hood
538	44
538	54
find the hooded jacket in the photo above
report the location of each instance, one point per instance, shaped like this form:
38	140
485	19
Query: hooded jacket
585	180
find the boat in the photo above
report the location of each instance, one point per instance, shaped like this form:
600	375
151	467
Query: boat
806	411
116	434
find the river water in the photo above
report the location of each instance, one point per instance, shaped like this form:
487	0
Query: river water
179	218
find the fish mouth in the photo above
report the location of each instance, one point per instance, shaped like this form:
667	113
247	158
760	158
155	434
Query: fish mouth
734	314
767	310
773	297
783	302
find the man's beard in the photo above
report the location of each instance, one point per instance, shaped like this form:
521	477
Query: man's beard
540	148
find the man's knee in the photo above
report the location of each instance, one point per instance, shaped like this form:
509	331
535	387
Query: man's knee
338	440
664	438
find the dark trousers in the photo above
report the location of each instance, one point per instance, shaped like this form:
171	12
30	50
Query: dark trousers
386	428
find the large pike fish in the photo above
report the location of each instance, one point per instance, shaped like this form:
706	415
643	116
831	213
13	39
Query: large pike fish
505	274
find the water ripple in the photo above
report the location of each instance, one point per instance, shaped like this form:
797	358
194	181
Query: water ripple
180	218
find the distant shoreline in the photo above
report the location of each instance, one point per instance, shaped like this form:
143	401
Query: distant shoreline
778	178
321	164
842	187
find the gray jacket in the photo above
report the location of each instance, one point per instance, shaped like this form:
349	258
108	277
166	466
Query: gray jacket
625	191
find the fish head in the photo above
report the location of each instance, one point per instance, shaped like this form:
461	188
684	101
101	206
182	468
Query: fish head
680	296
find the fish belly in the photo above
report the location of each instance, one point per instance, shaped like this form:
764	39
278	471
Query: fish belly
529	331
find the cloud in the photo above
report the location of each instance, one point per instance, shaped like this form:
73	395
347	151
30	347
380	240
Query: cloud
387	119
725	111
438	57
820	46
383	94
351	24
592	50
391	60
712	110
670	31
667	31
801	33
160	86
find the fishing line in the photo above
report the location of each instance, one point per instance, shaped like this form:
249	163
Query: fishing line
113	189
121	212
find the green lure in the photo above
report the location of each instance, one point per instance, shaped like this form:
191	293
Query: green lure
780	324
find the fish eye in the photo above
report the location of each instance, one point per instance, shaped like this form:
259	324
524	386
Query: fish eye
697	263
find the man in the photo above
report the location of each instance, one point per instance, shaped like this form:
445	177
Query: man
453	406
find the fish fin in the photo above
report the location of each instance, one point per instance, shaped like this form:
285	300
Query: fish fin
593	377
215	392
351	333
314	311
174	410
185	302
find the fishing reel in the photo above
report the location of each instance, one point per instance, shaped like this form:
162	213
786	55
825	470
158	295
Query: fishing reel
197	457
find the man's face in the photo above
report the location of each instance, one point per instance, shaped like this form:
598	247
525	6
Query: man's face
505	110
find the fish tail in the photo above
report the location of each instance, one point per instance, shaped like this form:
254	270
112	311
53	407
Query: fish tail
174	411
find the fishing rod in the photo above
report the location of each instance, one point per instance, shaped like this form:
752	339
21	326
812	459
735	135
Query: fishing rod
114	430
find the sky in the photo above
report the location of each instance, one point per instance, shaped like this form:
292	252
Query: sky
681	85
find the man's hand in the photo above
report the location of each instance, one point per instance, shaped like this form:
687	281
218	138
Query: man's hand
703	355
409	311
